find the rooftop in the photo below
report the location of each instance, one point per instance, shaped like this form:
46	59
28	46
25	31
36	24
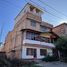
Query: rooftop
60	25
30	5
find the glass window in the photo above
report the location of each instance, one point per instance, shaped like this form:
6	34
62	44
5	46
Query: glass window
33	23
29	51
43	52
31	35
28	35
44	29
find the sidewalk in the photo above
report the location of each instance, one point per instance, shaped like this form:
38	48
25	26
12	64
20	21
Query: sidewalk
52	64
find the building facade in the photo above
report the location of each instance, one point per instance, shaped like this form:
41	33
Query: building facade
28	39
61	30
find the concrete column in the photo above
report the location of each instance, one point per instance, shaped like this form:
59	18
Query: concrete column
24	35
28	8
34	10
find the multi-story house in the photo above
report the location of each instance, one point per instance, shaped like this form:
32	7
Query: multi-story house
31	37
61	30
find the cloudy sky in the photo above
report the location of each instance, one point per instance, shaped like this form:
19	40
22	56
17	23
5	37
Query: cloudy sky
55	12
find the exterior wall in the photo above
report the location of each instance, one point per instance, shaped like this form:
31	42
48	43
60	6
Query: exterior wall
14	40
38	43
8	42
60	30
65	29
34	17
20	23
25	23
24	56
28	25
27	9
2	48
17	44
46	24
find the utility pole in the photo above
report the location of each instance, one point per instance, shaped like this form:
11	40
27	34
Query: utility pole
1	33
0	43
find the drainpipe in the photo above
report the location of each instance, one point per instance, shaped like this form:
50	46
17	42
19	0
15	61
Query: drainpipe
59	54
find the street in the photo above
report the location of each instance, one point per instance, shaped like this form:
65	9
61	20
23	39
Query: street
52	64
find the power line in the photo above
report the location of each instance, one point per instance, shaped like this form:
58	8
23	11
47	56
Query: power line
13	5
46	10
38	6
52	8
2	26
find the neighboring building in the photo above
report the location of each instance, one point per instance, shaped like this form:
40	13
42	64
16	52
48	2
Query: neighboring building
1	47
61	29
28	39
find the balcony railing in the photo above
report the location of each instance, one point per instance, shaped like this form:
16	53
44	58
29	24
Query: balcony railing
40	38
27	41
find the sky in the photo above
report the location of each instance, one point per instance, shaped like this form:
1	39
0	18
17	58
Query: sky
55	13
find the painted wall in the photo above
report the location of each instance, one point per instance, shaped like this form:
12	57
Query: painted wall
27	41
24	56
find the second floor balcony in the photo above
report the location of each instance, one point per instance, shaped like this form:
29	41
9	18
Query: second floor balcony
38	37
42	39
39	43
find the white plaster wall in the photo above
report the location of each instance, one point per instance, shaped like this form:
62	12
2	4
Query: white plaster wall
50	52
38	54
38	42
24	56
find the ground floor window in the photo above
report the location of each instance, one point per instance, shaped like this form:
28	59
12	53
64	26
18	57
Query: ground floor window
29	51
43	52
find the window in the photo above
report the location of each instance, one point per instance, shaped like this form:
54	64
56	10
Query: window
43	52
31	35
45	39
33	23
44	29
31	8
29	51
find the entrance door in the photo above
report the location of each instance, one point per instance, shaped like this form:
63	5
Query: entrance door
34	53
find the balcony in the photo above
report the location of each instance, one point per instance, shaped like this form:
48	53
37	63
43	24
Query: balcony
33	16
27	41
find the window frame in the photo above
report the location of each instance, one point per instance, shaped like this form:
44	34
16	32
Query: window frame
43	52
44	29
29	51
33	23
31	35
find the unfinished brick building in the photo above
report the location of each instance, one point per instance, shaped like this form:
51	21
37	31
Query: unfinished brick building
31	37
